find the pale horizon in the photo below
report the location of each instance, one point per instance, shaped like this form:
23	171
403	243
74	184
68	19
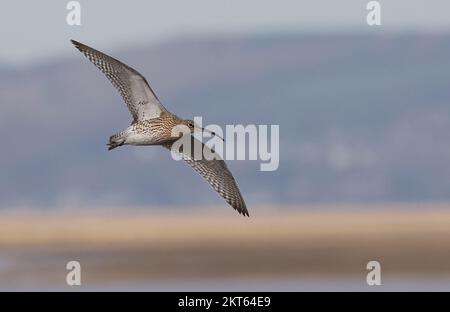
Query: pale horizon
41	33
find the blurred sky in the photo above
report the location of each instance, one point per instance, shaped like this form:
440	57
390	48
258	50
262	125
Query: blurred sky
33	31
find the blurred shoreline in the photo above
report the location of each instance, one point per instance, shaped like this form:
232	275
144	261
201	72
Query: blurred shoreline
169	225
141	247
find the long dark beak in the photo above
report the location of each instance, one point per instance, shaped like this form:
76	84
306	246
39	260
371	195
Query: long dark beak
213	133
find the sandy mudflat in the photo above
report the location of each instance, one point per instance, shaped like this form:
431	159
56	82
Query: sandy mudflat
410	240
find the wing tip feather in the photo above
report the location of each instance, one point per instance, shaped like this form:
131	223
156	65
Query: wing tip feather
80	47
75	43
243	211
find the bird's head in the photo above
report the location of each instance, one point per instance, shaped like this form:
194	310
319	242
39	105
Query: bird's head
193	127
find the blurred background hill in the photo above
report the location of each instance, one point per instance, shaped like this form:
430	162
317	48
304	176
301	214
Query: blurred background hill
363	118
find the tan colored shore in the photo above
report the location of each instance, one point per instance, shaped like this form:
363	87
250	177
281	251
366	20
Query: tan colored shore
375	224
411	239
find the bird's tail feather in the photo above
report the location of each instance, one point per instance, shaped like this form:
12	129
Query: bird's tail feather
116	140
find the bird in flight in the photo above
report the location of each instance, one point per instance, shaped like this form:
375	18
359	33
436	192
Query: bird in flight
152	125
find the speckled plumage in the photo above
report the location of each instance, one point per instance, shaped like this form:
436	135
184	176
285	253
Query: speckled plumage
152	124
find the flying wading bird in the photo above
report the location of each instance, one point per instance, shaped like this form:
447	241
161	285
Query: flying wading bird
152	125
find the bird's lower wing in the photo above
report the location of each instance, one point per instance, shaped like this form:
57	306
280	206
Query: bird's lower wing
215	171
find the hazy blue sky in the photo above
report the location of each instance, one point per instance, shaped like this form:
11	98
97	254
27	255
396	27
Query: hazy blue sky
35	30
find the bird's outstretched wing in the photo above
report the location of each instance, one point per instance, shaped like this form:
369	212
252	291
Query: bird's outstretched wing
142	102
215	171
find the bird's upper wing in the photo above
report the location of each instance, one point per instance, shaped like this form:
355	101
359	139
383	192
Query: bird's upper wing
132	86
215	171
